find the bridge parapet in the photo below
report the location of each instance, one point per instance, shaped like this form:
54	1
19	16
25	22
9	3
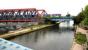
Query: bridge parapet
7	45
59	17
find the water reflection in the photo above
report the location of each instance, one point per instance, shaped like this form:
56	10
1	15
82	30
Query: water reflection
51	38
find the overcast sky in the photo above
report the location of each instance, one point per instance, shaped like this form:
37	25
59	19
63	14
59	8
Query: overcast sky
51	6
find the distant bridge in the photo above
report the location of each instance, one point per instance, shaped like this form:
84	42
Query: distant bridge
60	19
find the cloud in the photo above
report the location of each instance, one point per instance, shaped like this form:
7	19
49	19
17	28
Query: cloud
51	6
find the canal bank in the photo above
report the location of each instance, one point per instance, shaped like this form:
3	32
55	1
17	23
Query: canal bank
24	31
77	46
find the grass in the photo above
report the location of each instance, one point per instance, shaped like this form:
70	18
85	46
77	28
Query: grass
80	38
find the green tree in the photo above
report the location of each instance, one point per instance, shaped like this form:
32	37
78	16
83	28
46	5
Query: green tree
80	17
85	21
68	15
86	11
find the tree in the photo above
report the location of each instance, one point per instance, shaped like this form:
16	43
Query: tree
85	21
80	17
86	11
68	15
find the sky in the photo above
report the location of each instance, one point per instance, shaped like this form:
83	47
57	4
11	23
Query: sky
51	6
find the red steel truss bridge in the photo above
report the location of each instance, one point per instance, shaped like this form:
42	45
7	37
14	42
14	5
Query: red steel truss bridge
21	15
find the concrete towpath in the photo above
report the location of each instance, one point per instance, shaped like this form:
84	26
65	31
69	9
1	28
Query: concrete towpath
23	31
76	46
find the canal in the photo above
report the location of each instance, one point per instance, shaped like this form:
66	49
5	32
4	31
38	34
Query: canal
51	38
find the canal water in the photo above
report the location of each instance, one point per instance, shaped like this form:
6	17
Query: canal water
51	38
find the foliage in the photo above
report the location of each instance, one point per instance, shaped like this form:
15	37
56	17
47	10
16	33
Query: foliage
68	15
80	38
85	22
86	11
80	17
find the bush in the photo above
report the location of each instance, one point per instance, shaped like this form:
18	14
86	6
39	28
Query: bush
80	38
85	21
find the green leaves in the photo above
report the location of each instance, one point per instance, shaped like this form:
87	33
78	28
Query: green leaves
82	17
85	22
86	11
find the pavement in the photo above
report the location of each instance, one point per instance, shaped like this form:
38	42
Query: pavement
77	46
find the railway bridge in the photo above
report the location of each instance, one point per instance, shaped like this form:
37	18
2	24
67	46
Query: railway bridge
21	15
